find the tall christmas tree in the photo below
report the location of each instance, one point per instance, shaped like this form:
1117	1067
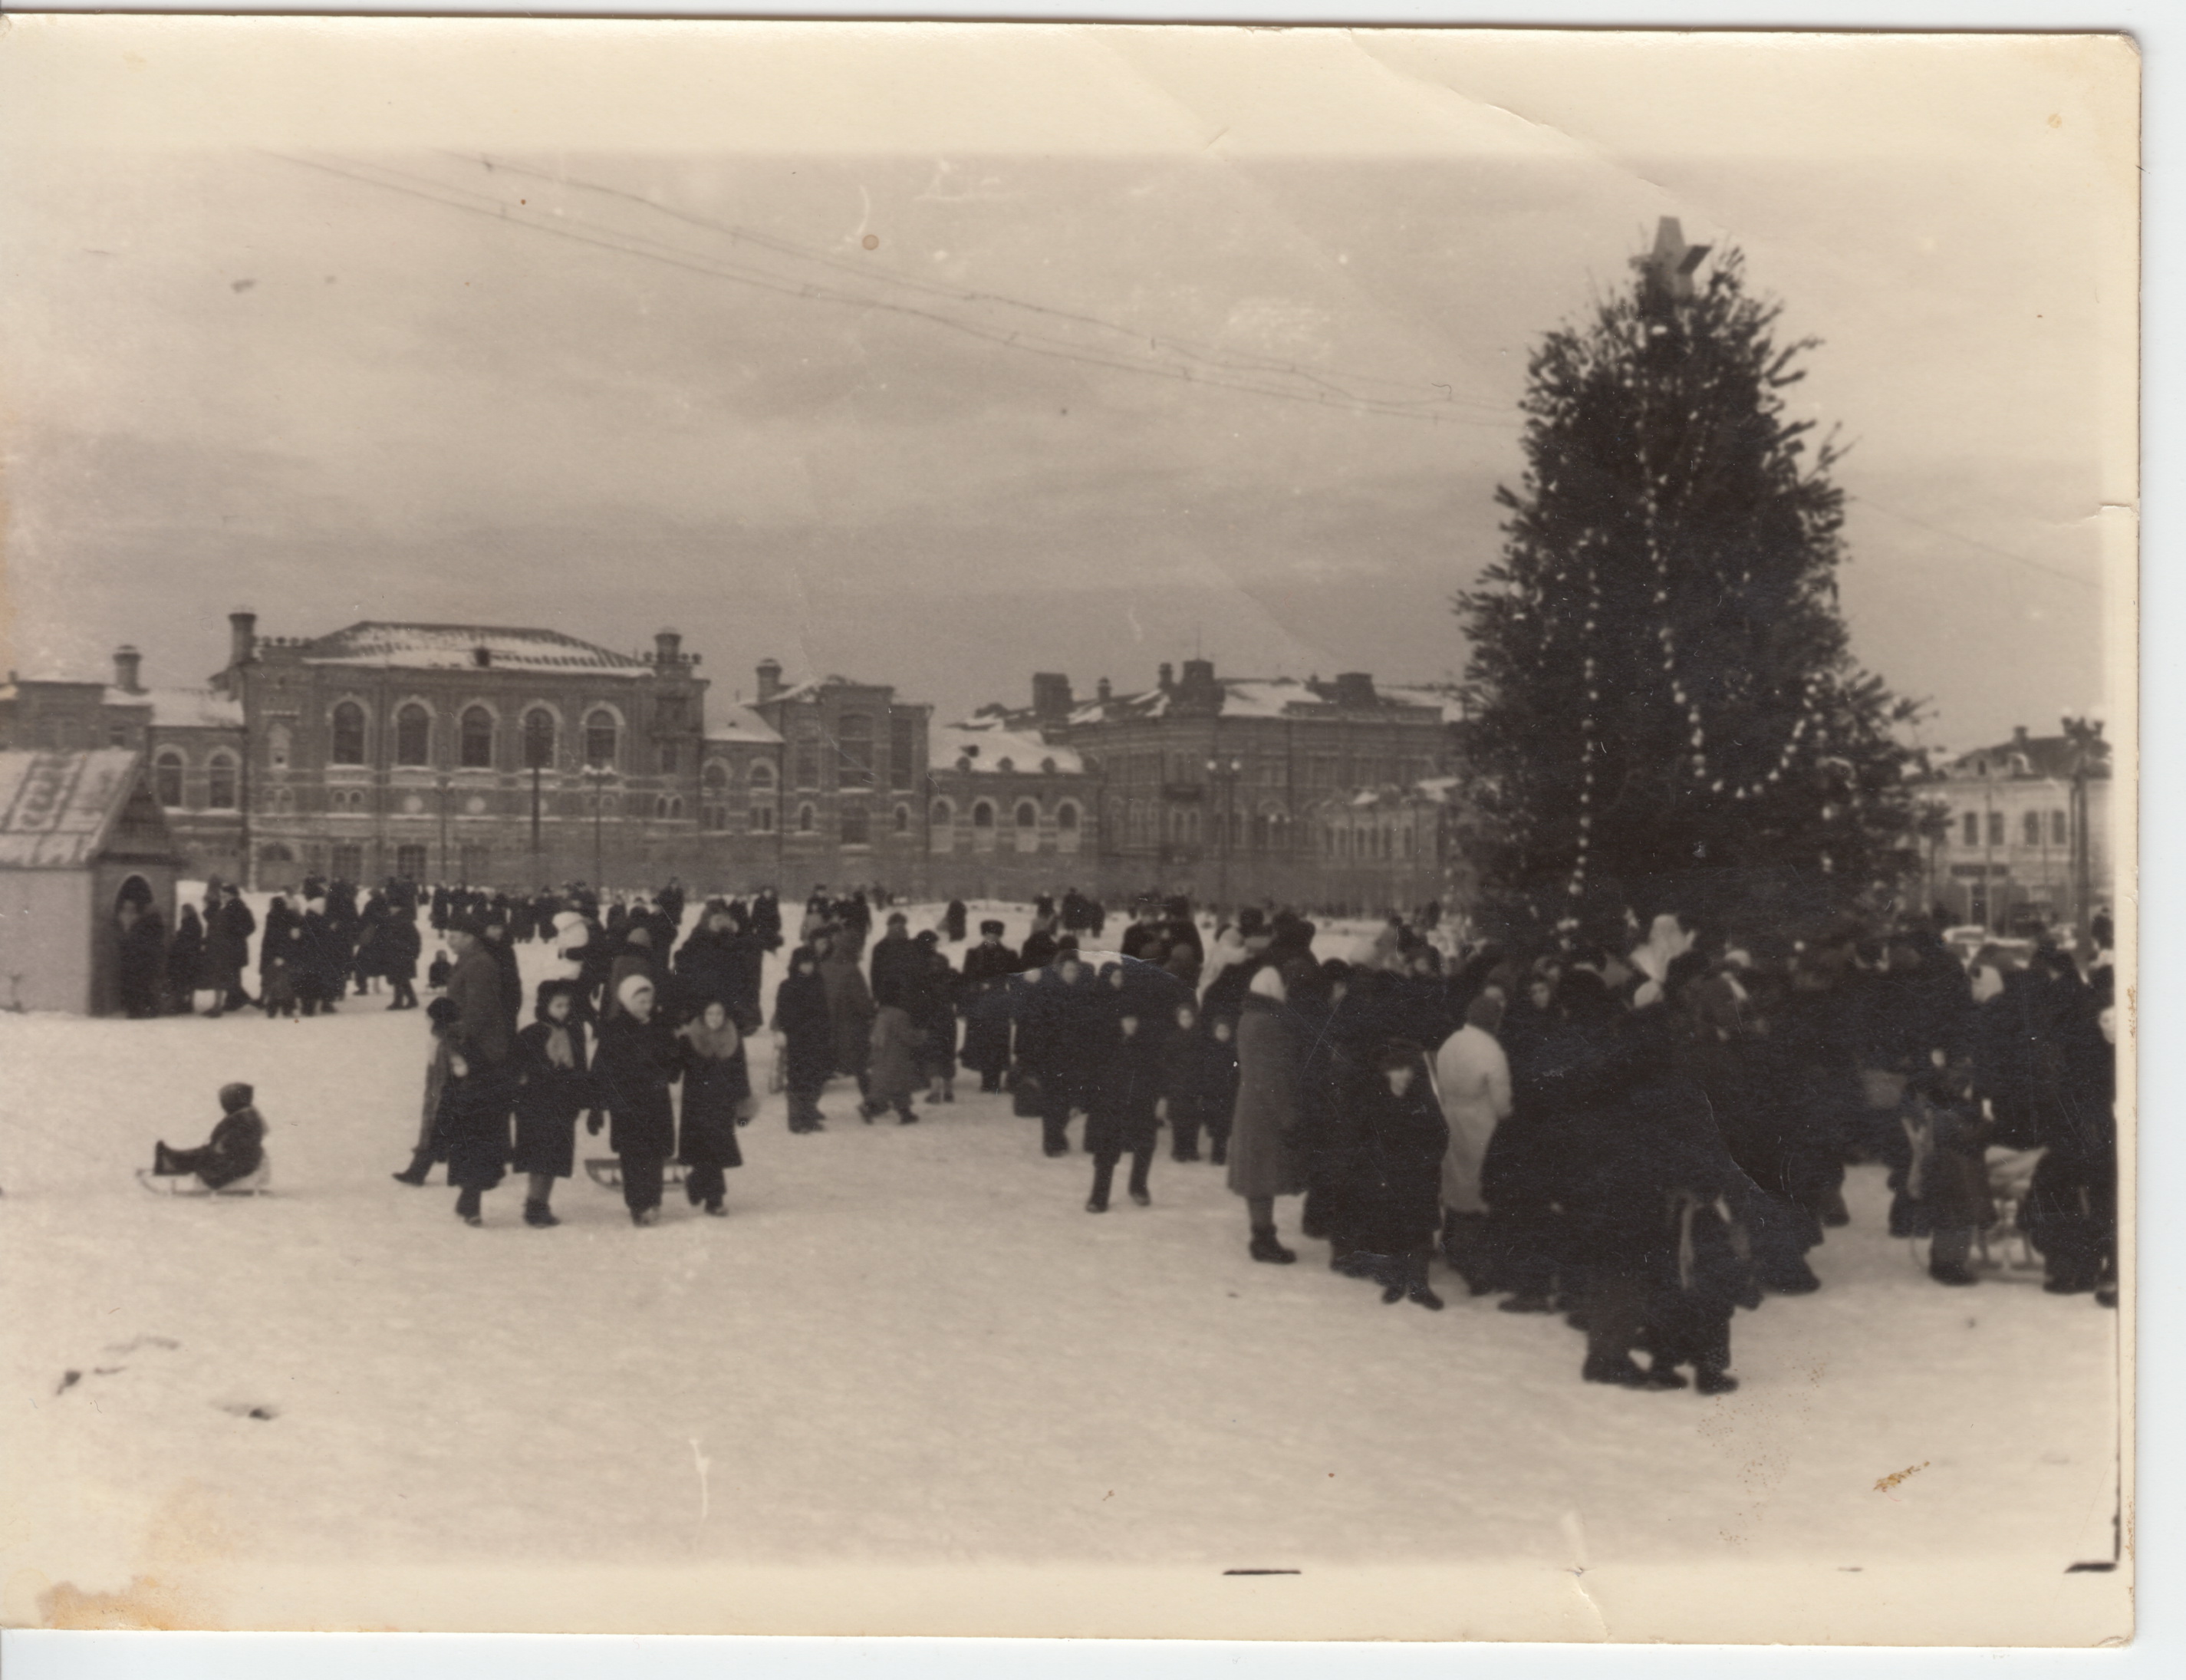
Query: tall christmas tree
1664	711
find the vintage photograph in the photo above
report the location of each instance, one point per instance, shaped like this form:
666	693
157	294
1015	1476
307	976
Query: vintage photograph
1097	831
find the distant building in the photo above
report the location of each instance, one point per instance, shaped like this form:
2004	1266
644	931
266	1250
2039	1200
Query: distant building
192	739
2020	832
1225	788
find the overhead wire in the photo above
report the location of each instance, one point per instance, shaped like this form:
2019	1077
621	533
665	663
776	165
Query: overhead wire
644	247
1338	384
1976	542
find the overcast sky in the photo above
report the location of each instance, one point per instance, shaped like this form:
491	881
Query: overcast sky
865	350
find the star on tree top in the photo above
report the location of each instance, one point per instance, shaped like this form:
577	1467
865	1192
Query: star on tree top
1670	266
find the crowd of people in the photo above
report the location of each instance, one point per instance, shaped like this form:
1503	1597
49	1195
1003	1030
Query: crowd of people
1643	1139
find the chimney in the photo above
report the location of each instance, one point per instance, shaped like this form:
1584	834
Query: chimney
1103	691
667	649
1050	696
2019	737
127	660
1354	689
1167	676
242	638
770	678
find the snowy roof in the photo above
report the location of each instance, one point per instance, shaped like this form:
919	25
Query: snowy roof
989	746
2024	755
183	708
1245	697
455	647
812	685
1442	695
57	808
742	724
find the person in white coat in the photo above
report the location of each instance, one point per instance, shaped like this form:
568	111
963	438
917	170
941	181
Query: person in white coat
1473	1077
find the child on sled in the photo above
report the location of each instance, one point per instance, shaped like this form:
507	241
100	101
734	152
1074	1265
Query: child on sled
232	1161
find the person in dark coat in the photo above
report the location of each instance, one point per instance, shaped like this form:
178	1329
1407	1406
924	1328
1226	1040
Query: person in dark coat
1122	1115
2071	1208
894	958
1060	1039
481	1085
400	948
227	951
953	921
984	1000
850	1007
555	1088
1041	944
185	962
717	1099
803	1038
638	1063
143	960
1939	1170
1199	1084
1397	1195
321	973
235	1151
929	999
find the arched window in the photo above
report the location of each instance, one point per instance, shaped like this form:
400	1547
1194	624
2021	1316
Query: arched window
538	739
414	735
1066	827
1027	814
903	819
941	826
477	738
220	781
857	824
762	819
600	740
807	819
349	733
715	776
762	779
983	815
853	735
167	778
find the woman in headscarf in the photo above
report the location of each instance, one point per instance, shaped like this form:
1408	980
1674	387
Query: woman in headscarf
802	1040
717	1098
638	1062
556	1088
1263	1152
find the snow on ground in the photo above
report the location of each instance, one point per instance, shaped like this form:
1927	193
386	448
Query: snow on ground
905	1345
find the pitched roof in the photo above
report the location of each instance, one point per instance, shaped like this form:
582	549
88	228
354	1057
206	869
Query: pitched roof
989	744
741	723
58	808
2048	758
1241	697
454	647
183	708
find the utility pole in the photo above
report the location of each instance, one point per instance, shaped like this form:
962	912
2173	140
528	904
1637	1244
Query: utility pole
599	800
444	782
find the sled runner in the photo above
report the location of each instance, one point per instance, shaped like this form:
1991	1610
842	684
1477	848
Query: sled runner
259	1183
606	1172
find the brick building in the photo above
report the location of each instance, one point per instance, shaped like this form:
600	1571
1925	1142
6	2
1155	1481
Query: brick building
1227	788
2020	833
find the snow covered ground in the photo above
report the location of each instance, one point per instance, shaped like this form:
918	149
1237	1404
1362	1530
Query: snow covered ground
910	1348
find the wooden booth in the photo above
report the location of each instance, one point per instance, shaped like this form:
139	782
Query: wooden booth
84	850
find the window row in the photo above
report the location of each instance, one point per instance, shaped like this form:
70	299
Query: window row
853	749
222	774
477	731
2033	825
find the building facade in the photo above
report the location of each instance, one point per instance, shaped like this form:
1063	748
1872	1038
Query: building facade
1230	789
2017	836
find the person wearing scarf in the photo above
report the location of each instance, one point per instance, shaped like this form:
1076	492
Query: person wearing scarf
556	1088
717	1098
638	1061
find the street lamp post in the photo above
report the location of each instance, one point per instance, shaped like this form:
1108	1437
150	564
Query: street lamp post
445	785
1225	773
599	799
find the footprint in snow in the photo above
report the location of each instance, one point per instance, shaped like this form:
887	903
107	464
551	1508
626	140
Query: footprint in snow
244	1409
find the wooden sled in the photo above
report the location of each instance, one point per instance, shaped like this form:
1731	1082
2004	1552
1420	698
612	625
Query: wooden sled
606	1172
259	1183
